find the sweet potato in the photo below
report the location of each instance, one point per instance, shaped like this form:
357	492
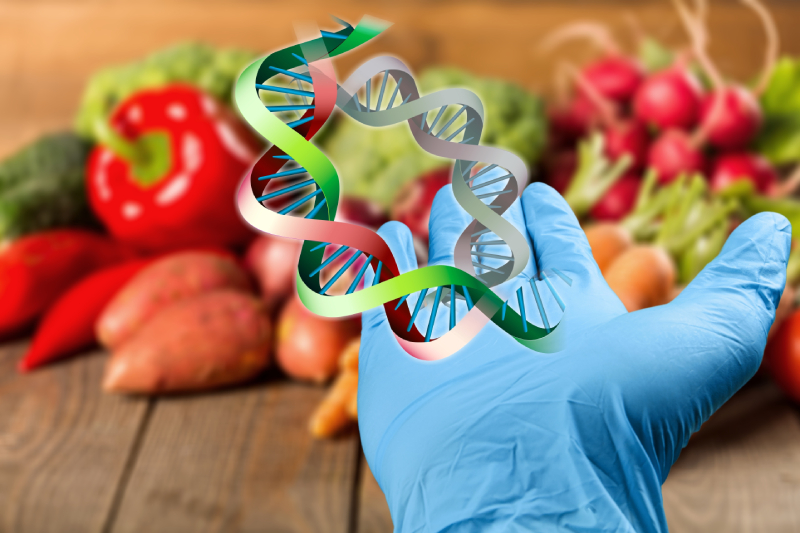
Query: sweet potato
214	339
643	276
608	241
170	279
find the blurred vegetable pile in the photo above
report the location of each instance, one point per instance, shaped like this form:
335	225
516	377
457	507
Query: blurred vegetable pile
661	157
658	154
376	163
156	267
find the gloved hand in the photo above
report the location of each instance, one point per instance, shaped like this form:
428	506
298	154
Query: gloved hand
500	438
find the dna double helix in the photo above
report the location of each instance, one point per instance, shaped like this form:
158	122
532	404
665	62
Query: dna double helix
293	191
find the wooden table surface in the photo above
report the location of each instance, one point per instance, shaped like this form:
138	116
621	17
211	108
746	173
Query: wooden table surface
73	459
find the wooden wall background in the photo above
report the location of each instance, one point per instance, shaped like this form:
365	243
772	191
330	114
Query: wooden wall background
48	48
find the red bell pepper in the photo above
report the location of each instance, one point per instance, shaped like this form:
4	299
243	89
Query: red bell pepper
37	269
166	170
68	326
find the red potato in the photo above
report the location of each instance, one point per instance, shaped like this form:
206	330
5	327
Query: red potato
212	340
273	262
309	346
168	280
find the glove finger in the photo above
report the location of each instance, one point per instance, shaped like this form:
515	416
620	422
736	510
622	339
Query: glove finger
557	236
674	365
398	237
448	221
735	296
560	247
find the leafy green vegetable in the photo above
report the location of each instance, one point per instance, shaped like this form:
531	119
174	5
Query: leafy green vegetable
43	186
213	70
779	140
375	163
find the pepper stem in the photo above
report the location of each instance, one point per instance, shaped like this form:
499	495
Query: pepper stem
130	151
149	156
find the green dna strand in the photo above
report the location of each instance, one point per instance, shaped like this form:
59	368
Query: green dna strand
293	191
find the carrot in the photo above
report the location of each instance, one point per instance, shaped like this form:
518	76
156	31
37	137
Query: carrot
214	339
340	405
332	414
349	358
643	276
608	241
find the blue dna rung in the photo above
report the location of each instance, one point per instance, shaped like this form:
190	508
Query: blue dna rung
537	302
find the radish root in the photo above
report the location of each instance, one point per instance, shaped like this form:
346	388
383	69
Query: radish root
595	32
789	186
698	35
608	110
773	43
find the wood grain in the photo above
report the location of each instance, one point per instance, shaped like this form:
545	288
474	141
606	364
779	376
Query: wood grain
63	445
240	461
373	512
741	472
49	48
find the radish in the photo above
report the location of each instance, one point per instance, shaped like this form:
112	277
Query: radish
729	168
619	200
561	169
730	117
570	123
616	77
674	153
362	212
669	99
628	137
412	205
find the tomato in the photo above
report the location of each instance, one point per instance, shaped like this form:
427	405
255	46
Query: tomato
783	356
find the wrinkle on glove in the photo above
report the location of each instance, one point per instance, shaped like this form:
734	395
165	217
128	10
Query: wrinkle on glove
500	438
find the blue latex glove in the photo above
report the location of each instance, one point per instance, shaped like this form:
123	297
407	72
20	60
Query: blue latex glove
500	438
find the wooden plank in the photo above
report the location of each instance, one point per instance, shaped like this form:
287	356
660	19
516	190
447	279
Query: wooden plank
373	512
63	445
741	472
240	460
